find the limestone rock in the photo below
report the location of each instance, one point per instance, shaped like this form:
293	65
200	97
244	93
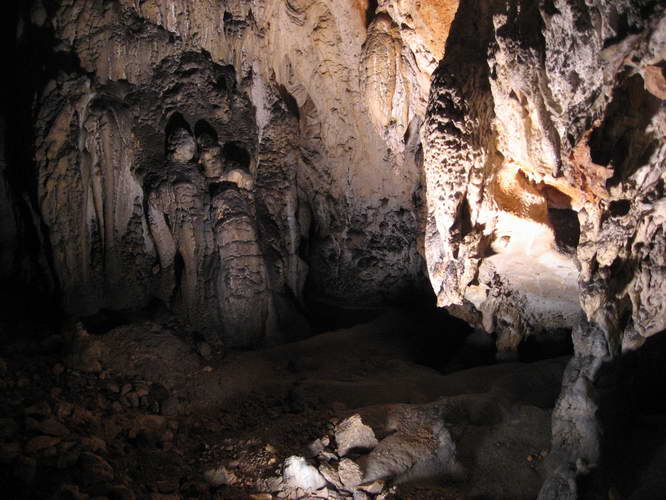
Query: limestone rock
352	435
544	161
418	445
298	473
220	476
350	473
520	190
181	146
331	475
193	160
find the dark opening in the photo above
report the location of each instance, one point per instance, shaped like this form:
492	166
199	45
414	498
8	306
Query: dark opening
463	222
619	208
551	345
566	227
448	344
620	25
226	78
235	153
205	134
550	9
178	269
176	122
102	321
618	142
370	12
622	272
105	320
290	102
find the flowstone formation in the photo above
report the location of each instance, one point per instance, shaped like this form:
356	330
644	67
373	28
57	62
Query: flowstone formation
222	156
545	162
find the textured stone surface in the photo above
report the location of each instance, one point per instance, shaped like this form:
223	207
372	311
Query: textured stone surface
544	159
232	159
543	155
219	155
299	474
353	435
419	445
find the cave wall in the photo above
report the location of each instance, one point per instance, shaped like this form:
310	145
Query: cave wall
545	160
301	121
222	157
217	155
543	155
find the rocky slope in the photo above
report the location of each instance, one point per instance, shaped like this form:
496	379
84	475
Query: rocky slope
147	412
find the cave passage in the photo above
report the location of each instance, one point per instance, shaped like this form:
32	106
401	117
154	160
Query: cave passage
333	249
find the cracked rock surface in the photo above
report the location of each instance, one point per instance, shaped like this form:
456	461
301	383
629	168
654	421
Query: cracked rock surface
544	156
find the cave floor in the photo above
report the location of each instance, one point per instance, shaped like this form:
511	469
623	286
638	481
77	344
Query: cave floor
144	411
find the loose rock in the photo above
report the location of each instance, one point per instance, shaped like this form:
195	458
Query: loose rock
299	474
353	435
350	473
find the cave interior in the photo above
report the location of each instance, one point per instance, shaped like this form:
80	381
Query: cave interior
333	249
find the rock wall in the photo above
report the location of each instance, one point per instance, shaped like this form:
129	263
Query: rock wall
224	156
543	141
545	160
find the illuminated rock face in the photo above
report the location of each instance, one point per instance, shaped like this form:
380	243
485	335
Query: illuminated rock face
220	155
545	162
231	157
140	190
543	155
295	127
310	112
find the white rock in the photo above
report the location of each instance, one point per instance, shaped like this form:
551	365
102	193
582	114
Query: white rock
300	474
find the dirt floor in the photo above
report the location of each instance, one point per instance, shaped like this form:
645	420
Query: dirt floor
151	410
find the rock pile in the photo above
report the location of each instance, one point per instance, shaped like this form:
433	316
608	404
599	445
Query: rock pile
350	462
334	467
